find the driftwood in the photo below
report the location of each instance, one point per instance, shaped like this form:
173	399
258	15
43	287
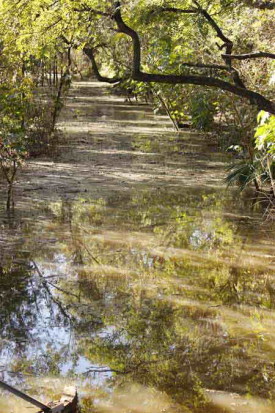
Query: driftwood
67	403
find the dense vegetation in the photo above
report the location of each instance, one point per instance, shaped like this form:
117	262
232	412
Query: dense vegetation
208	64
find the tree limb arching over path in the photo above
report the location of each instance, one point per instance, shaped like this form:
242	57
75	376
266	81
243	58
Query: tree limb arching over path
237	87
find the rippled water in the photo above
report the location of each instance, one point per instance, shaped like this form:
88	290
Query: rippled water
129	269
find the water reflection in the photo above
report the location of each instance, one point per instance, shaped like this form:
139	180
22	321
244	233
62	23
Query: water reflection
111	302
156	298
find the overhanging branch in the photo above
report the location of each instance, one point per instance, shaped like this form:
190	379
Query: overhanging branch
227	43
262	4
123	28
253	97
205	66
92	11
174	10
246	56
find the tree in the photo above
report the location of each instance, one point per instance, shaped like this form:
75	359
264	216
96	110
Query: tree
164	40
230	79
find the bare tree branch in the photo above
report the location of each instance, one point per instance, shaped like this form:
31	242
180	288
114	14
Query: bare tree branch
206	66
134	369
261	4
173	10
253	55
234	73
199	10
54	299
227	43
123	28
92	11
254	97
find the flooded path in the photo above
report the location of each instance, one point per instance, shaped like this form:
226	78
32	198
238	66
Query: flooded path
129	269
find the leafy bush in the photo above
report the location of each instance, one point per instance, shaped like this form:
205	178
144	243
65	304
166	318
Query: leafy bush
39	139
202	111
259	168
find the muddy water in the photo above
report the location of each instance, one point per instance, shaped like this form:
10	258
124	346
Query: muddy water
128	269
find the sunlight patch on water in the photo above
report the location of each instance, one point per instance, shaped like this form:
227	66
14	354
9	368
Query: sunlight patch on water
138	399
234	403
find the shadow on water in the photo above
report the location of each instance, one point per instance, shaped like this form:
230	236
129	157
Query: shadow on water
128	269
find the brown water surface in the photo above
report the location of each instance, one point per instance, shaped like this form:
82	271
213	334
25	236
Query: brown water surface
129	269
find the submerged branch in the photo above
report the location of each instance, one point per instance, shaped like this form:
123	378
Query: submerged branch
54	300
129	371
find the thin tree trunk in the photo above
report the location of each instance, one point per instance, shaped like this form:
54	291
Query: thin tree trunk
166	107
10	202
271	175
